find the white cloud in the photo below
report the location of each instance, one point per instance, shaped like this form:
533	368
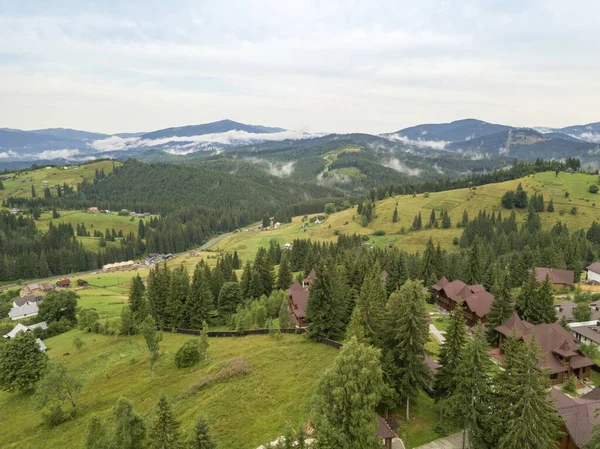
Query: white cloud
274	169
395	164
7	154
435	144
589	137
56	154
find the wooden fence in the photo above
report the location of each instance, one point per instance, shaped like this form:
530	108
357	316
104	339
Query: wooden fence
293	330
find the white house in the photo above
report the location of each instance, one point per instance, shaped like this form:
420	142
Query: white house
593	272
22	328
276	225
25	311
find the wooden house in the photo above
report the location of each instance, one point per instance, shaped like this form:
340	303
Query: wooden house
475	300
558	278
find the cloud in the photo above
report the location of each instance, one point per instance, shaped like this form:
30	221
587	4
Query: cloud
435	144
395	164
56	154
7	154
274	169
195	143
589	137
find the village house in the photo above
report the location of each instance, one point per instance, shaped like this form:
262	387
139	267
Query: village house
308	280
558	278
63	283
26	300
385	433
82	283
119	266
93	210
565	309
579	417
475	300
561	355
44	183
15	211
22	328
298	295
593	272
36	289
586	332
24	311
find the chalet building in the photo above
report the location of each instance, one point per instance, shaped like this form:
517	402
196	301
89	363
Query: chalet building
561	355
297	304
308	280
579	417
476	301
558	278
593	272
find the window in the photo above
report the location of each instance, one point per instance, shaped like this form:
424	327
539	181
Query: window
553	376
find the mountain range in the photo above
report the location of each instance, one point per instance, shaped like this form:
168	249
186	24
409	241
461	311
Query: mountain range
470	138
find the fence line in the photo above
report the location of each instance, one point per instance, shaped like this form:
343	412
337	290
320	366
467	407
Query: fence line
217	334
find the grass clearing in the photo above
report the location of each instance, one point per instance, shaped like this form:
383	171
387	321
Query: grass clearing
243	411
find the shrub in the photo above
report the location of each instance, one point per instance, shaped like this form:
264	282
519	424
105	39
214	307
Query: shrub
189	354
379	232
570	387
55	416
593	188
78	343
426	195
455	241
573	211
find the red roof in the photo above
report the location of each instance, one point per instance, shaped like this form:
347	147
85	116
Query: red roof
64	283
556	276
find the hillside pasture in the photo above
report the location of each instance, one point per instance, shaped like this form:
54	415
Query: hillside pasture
244	411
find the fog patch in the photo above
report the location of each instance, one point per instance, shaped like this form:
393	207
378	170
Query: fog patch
435	144
588	137
395	164
281	170
57	154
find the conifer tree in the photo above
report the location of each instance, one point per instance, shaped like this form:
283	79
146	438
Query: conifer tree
550	207
475	268
545	298
159	280
432	218
199	302
163	432
530	419
343	408
235	263
465	218
395	214
500	311
404	336
230	297
178	293
322	310
451	353
284	275
246	278
136	295
371	303
200	437
470	403
141	230
429	273
33	195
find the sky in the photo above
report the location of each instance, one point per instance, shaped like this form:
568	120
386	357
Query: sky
318	66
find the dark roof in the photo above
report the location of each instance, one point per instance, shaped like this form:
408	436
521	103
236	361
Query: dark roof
82	282
594	394
383	429
299	297
595	267
578	414
440	284
556	276
590	332
431	364
25	299
553	341
476	298
63	282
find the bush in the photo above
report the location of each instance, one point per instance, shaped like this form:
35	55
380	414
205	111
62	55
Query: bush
570	387
573	211
593	188
55	416
189	354
455	241
379	232
78	343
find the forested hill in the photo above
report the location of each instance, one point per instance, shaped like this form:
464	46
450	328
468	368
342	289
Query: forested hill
163	188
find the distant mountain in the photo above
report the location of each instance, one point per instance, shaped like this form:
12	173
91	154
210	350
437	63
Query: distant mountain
529	144
221	126
66	133
588	133
456	131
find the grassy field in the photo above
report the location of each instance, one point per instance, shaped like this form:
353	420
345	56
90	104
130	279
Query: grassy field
243	411
19	184
455	202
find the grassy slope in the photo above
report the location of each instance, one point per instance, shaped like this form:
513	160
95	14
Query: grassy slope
19	185
454	201
243	411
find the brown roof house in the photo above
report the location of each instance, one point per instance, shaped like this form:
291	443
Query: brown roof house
579	417
308	280
593	272
63	283
476	301
297	305
385	433
558	278
561	355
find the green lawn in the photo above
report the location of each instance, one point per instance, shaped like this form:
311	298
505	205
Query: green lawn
243	411
441	322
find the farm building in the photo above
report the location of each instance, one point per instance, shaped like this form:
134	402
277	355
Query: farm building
63	283
24	311
93	210
558	278
119	266
36	289
474	298
82	283
22	328
593	272
560	354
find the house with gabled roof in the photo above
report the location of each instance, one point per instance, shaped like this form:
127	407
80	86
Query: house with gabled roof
308	280
475	300
593	272
298	297
579	417
558	278
560	353
24	311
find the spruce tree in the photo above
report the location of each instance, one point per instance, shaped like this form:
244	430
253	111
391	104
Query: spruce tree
470	403
235	263
500	311
356	327
550	207
322	310
33	195
395	214
246	278
284	275
178	293
475	268
371	303
136	295
530	419
451	353
404	336
200	437
163	432
230	297
199	301
545	299
344	405
429	273
528	305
